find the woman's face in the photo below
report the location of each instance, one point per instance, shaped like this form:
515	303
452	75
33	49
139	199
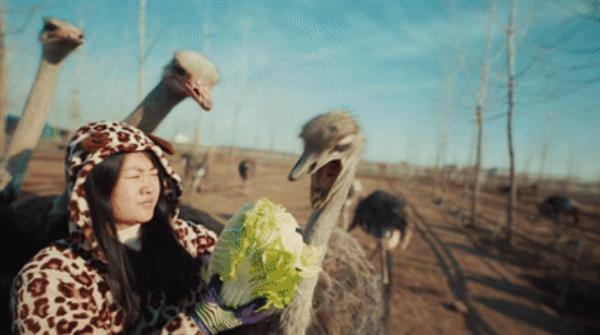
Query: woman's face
136	192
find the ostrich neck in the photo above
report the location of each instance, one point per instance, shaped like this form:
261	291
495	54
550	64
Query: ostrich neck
318	230
322	221
154	108
32	121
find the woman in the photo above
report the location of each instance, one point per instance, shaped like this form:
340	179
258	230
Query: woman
130	265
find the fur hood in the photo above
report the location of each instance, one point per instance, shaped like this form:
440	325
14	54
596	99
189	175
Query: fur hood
89	146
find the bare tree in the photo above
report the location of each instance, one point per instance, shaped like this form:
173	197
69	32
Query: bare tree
196	137
512	197
438	184
479	111
242	82
451	71
272	141
545	147
141	31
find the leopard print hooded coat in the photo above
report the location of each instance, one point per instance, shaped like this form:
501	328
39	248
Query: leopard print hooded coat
63	289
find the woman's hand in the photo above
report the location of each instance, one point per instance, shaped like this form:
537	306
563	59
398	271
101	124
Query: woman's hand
212	318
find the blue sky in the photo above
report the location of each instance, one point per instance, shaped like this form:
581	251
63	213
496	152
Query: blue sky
389	63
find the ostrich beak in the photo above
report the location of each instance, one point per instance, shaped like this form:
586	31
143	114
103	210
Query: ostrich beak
200	93
71	37
307	163
324	170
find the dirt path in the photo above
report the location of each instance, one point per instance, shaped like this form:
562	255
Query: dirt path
482	292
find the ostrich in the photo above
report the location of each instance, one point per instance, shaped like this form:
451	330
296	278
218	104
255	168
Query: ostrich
58	39
346	296
194	171
247	170
531	189
557	208
383	216
41	220
332	145
189	74
187	69
197	178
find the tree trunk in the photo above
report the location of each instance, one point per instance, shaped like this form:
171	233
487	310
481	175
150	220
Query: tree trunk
512	197
438	175
543	153
477	166
479	110
141	29
196	138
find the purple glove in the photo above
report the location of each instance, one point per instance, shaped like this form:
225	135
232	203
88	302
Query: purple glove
211	317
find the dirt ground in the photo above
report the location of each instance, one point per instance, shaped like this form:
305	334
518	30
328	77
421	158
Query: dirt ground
451	279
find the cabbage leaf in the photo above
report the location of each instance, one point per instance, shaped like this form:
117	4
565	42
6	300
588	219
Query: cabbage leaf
261	254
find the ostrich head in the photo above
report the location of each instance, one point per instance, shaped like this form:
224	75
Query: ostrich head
59	38
190	74
332	144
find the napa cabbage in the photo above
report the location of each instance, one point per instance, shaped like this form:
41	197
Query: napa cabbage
260	253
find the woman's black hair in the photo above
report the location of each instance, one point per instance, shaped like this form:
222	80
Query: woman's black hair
162	264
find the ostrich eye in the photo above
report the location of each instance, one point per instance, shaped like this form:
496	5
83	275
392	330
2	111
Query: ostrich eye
179	70
50	26
342	147
343	144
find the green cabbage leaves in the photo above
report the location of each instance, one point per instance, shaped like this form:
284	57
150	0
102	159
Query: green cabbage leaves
261	254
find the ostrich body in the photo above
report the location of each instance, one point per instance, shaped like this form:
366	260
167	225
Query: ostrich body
58	39
557	207
346	296
246	169
197	178
383	216
194	171
188	74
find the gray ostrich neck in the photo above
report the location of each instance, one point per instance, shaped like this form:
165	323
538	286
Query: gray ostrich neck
322	221
318	230
154	108
32	121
